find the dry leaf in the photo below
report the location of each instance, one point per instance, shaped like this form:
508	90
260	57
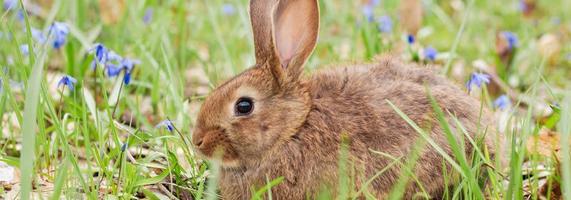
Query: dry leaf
410	12
546	143
555	190
111	10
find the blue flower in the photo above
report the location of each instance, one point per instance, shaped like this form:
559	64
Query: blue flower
502	102
477	79
228	9
127	78
368	12
430	53
114	63
511	39
20	15
368	9
410	39
10	4
525	7
67	81
124	146
113	70
38	35
59	31
128	66
374	2
148	16
100	53
385	24
113	57
25	49
166	124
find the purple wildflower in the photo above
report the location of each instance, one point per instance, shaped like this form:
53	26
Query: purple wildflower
368	9
374	2
128	66
20	15
67	81
102	55
38	35
477	79
59	31
228	9
410	39
166	124
25	49
148	16
124	146
511	38
502	102
385	24
10	4
430	53
113	70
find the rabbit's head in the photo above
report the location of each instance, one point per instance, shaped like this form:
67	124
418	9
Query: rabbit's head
244	119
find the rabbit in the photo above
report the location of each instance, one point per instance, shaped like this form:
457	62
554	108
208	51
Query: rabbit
272	121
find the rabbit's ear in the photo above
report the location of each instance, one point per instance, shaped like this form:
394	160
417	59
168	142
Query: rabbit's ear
261	16
285	33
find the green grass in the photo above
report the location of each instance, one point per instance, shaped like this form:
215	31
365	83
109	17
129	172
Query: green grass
70	148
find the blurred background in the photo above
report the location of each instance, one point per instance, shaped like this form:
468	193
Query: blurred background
117	83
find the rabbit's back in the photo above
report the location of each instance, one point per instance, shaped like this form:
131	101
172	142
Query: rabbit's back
354	100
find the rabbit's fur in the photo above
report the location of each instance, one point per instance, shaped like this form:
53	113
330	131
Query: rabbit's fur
297	124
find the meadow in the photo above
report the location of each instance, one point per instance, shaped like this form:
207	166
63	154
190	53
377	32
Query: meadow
98	97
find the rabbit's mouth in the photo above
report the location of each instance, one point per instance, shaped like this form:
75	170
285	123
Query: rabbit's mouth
214	145
226	156
227	160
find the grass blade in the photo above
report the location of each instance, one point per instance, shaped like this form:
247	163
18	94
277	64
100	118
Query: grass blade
427	138
565	128
61	177
30	116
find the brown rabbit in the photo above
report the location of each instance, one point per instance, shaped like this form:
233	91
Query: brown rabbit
270	121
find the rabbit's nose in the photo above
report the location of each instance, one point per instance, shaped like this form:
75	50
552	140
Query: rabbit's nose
198	138
197	142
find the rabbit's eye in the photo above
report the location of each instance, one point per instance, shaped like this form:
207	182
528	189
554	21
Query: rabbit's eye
244	106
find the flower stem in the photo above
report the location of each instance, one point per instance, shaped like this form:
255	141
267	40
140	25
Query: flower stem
179	133
95	78
61	100
118	96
